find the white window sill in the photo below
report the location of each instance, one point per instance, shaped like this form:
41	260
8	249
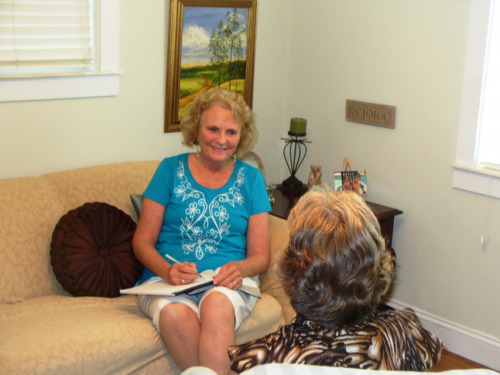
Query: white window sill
60	86
477	180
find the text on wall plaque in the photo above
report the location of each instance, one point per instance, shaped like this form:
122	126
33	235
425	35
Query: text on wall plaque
370	114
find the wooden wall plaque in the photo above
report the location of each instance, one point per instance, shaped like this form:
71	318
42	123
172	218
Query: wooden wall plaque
370	114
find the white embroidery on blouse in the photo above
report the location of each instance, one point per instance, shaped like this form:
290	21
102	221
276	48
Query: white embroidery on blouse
196	235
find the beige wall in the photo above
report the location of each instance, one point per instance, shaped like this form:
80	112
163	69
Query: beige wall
311	57
409	54
43	136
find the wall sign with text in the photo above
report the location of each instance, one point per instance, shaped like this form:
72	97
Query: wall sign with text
370	114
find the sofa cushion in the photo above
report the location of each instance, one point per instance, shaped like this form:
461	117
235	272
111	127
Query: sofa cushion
110	183
91	251
85	335
29	210
269	280
90	335
265	317
30	207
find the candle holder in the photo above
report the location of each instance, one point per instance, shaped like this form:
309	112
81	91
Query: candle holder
295	151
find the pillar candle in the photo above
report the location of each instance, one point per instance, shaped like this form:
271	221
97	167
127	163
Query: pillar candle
298	126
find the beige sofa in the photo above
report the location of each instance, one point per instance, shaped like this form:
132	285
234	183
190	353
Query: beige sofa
43	329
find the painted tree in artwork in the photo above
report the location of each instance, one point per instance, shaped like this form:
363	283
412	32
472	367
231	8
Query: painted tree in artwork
233	31
239	57
217	47
226	46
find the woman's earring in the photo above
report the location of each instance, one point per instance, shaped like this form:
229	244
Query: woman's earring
234	157
198	150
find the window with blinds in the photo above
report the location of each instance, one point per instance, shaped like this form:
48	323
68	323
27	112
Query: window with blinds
47	35
488	148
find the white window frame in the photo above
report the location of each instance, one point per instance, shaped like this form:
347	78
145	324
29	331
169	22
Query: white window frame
466	174
102	82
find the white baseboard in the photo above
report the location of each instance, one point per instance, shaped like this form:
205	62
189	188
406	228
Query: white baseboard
474	345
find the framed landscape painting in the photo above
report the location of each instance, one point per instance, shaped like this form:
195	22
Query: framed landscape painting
211	44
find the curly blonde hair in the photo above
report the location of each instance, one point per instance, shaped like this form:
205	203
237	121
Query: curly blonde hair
227	99
336	267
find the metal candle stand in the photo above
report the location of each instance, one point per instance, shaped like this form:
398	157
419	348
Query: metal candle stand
295	151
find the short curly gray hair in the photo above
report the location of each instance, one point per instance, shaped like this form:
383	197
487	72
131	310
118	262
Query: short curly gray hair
336	267
226	99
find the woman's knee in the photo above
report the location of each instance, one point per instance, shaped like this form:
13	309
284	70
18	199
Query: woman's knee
179	313
217	305
217	300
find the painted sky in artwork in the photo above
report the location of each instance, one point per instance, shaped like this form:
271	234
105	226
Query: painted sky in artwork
196	29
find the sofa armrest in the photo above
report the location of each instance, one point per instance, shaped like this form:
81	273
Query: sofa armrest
269	281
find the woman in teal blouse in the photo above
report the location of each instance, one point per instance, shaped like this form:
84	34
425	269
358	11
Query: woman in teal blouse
209	211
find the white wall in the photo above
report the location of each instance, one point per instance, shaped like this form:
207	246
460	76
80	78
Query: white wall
409	54
311	57
271	83
44	136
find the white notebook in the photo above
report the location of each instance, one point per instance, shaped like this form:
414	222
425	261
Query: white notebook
159	287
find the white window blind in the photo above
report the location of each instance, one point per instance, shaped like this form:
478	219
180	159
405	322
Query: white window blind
488	147
46	35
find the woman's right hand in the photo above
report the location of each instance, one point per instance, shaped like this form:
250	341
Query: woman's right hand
144	241
184	273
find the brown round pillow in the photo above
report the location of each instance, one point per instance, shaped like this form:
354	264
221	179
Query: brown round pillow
91	251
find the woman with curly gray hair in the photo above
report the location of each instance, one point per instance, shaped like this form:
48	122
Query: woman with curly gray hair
336	269
209	211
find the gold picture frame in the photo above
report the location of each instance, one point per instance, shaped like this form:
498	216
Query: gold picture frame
229	52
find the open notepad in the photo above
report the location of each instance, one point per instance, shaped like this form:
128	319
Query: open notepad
202	283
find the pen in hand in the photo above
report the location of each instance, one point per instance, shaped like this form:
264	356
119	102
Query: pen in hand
176	261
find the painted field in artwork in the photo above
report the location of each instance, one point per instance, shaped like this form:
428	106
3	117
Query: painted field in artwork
214	43
236	85
190	85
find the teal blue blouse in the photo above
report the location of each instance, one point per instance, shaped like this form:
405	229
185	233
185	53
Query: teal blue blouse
201	225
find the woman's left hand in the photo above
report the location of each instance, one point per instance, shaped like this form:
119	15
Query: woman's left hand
229	276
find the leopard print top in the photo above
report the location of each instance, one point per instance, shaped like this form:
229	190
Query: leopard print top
388	340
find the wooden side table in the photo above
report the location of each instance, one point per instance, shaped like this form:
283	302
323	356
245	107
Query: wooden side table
284	203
